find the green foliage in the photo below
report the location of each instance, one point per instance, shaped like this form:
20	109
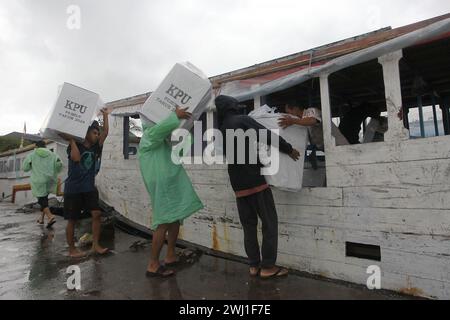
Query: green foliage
9	143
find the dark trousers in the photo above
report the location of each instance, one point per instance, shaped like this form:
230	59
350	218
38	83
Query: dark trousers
250	208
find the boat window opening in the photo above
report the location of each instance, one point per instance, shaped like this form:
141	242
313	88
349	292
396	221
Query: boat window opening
11	165
357	97
425	83
429	124
307	95
136	127
132	133
363	251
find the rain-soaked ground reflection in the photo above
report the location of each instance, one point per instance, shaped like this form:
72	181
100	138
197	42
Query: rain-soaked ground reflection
34	262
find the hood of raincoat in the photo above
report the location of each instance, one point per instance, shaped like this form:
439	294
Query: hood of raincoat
43	152
227	106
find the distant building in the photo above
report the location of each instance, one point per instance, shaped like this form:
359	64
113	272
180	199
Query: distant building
18	135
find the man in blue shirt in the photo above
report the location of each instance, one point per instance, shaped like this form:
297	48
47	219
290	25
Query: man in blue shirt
80	192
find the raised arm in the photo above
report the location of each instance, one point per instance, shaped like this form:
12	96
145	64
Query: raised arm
284	146
154	136
74	151
105	130
287	121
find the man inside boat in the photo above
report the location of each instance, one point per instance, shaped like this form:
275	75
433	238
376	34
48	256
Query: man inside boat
80	192
353	119
45	167
312	119
253	195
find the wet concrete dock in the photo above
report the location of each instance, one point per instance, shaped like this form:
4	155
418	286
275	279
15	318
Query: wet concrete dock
34	262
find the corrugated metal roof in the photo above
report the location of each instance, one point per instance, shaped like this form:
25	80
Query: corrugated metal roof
313	59
437	29
127	111
325	53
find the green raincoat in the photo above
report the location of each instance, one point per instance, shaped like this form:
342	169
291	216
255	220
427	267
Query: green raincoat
45	167
172	195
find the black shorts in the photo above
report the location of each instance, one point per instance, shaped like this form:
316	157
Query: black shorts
75	203
43	202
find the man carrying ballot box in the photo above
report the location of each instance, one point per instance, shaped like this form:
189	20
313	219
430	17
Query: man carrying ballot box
172	195
80	192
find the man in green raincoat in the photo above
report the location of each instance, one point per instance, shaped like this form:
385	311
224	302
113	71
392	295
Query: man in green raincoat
172	195
45	167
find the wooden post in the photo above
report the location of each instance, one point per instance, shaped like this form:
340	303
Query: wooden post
329	141
391	74
257	99
436	126
421	120
126	137
444	106
406	117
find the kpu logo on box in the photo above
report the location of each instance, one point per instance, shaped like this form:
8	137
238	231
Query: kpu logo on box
75	107
178	94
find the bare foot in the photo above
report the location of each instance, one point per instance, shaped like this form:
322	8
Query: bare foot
99	250
274	272
75	253
254	271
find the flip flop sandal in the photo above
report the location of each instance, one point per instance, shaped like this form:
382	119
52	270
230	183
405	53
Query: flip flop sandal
276	274
51	223
160	273
40	222
172	264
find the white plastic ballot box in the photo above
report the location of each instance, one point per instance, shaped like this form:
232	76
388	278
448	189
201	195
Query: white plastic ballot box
185	86
72	114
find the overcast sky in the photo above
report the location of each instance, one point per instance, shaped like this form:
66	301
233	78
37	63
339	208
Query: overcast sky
124	48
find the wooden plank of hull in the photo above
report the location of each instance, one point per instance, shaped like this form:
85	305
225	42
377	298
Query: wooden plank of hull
385	152
432	197
416	173
355	271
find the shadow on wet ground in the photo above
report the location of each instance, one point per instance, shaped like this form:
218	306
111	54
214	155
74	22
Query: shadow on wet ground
34	262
